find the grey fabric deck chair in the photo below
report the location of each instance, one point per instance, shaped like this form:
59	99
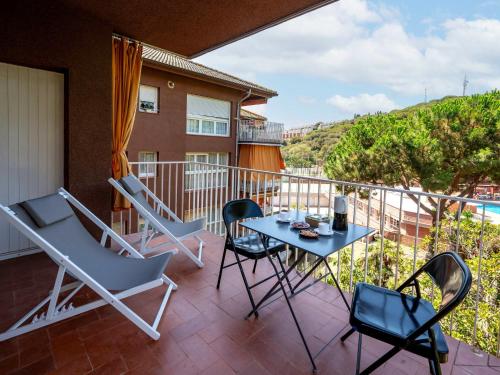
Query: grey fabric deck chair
175	230
51	223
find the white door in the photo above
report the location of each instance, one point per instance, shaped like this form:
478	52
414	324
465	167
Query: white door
31	142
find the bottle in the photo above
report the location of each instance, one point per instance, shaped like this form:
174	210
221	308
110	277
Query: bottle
340	207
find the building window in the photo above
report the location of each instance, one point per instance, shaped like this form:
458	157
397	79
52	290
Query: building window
148	99
203	176
207	116
147	170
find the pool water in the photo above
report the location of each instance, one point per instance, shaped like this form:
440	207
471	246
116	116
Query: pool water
489	208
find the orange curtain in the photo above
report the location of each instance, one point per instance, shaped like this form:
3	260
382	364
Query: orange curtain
126	71
265	158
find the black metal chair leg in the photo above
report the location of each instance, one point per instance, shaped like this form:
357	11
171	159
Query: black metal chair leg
247	287
221	267
379	362
271	291
292	312
346	335
337	285
436	366
284	272
431	367
358	357
254	266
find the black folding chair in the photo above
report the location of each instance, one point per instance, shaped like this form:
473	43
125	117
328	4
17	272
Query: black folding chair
410	322
250	247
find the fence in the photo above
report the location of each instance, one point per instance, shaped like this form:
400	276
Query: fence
410	226
265	132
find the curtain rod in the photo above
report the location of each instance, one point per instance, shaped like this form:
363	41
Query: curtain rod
118	36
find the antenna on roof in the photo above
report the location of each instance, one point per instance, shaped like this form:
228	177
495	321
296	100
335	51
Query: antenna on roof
465	84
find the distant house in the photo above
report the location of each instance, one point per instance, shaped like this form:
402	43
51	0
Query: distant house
297	132
252	117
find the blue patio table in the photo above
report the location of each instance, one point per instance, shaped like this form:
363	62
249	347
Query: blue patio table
322	247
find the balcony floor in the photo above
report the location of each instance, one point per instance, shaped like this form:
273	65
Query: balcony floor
202	332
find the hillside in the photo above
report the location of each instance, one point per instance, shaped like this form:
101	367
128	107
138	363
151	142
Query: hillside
316	145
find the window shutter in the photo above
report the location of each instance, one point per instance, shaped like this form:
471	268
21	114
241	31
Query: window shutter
207	107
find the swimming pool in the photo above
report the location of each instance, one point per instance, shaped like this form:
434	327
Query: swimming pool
489	208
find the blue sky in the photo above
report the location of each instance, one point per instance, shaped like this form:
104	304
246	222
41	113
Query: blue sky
358	56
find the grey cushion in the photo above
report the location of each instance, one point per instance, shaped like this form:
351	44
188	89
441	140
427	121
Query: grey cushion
48	210
131	184
251	246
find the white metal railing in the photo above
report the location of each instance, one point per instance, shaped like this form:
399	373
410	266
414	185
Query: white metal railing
405	234
262	132
315	171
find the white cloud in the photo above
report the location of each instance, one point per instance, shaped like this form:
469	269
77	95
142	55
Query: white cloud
363	103
357	42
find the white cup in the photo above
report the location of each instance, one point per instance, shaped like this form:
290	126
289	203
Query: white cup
323	228
284	215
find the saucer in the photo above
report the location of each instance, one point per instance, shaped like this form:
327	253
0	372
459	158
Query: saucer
328	234
288	220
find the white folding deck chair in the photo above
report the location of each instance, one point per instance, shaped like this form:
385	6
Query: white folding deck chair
51	223
175	230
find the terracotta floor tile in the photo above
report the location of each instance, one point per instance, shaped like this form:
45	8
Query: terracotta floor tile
169	321
167	351
8	348
9	364
33	354
78	365
213	331
199	352
101	349
40	337
494	361
68	325
135	351
466	356
183	308
233	353
99	325
41	366
185	367
473	370
269	358
218	368
112	367
147	368
334	328
67	348
190	327
254	368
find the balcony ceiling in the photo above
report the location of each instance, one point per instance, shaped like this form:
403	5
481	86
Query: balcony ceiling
193	27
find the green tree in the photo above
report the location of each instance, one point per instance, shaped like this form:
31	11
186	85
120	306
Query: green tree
299	155
448	147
